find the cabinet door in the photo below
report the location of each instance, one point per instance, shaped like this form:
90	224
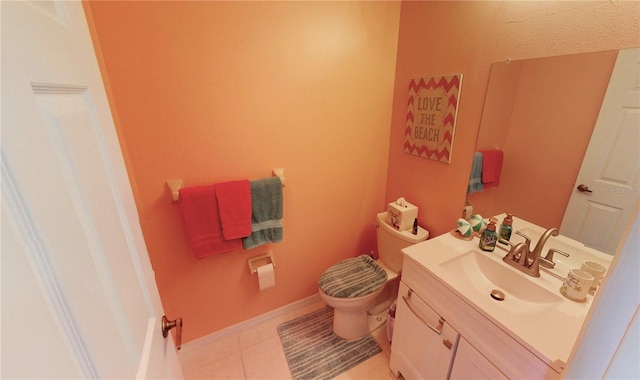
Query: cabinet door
423	343
470	364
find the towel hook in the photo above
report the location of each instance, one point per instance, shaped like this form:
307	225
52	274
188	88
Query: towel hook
279	172
175	185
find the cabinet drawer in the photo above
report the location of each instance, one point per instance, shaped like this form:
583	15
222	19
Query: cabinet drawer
423	342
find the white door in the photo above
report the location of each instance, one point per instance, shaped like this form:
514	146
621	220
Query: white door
607	185
79	298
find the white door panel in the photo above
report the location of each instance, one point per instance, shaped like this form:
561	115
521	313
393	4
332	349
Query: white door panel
611	166
27	276
75	252
89	180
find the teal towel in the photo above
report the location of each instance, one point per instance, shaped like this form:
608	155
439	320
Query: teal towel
475	179
266	212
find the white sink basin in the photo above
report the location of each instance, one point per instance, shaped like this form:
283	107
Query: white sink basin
476	270
533	310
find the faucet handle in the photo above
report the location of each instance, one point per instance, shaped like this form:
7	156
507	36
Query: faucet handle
549	256
546	263
520	253
526	238
505	241
552	250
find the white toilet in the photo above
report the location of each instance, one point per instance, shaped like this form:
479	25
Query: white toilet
353	286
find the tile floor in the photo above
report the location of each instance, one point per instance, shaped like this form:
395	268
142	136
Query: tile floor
256	353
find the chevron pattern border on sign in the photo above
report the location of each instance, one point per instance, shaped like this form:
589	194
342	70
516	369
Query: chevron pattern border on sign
430	135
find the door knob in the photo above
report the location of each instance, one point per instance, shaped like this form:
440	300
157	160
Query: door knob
168	325
584	188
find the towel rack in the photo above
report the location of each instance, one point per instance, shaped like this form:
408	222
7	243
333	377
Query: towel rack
176	184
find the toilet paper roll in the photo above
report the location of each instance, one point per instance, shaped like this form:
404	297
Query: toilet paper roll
266	276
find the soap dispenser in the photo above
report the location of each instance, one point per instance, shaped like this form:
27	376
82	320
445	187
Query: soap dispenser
489	237
506	228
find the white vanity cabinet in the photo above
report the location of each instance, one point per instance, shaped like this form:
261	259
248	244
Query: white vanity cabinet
482	349
426	341
471	364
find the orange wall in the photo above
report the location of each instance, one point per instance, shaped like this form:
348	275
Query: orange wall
217	91
439	38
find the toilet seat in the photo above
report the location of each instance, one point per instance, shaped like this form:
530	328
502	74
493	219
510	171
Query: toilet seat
353	278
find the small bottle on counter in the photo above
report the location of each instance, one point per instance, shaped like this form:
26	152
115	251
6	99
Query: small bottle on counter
506	228
489	237
414	230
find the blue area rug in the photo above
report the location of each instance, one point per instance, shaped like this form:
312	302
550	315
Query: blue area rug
314	351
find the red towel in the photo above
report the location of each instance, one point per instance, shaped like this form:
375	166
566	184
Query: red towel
234	205
200	213
491	167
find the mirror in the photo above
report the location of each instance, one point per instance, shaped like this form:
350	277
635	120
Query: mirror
540	113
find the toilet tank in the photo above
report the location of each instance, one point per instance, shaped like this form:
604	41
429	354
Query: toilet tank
391	241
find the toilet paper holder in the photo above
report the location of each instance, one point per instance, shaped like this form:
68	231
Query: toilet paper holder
258	261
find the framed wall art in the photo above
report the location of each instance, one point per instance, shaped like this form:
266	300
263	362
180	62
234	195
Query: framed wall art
431	117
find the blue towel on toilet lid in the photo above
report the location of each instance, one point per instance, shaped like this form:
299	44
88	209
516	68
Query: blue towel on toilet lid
351	278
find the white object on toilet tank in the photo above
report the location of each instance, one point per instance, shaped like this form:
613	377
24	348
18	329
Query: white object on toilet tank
402	214
391	241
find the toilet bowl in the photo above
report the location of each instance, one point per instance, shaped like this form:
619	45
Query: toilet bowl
350	318
354	286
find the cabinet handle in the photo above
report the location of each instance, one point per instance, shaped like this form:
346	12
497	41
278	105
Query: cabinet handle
437	330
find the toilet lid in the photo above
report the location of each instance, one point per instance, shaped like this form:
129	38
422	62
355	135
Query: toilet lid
351	278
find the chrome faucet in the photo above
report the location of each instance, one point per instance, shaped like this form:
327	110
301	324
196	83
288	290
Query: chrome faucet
523	259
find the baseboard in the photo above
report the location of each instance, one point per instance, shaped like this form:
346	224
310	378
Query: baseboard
234	329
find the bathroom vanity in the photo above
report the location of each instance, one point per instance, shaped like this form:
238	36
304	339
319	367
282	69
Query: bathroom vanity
464	313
